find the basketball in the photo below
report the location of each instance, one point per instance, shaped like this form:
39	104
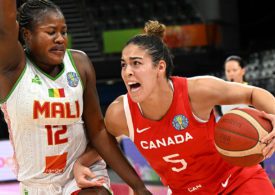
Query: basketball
237	136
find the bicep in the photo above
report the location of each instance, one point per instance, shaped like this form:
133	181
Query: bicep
207	92
233	93
115	119
219	92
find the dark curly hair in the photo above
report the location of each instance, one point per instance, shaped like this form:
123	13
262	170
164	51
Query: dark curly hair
152	41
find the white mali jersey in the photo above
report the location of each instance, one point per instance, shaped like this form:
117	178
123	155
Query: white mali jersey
44	119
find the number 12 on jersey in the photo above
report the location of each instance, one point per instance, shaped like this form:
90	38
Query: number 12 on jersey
54	134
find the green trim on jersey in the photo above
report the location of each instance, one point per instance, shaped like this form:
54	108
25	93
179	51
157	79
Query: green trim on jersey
72	61
15	85
47	75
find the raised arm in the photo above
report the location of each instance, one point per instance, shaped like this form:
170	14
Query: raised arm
105	143
11	52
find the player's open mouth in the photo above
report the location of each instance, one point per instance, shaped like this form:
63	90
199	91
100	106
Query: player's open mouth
134	86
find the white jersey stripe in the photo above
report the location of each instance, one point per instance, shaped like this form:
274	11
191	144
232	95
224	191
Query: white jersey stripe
128	117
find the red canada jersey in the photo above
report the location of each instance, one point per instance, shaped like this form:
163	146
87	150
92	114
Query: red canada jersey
179	147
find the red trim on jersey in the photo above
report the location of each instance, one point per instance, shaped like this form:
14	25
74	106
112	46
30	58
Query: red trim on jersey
75	192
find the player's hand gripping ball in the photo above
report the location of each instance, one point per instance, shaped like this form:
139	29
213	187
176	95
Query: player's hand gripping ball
237	136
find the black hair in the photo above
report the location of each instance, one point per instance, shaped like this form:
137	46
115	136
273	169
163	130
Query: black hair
237	59
30	12
153	43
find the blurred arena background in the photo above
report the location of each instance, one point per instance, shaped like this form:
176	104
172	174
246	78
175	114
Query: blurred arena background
201	34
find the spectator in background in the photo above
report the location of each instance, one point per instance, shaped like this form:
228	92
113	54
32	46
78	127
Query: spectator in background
49	99
234	69
171	120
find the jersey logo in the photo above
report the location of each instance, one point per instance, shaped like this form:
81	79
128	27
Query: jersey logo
224	184
56	164
72	79
180	122
26	192
197	187
36	80
142	130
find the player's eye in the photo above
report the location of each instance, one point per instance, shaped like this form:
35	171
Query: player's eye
51	32
136	63
123	64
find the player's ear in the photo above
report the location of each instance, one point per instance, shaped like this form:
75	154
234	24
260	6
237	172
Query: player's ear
162	66
26	34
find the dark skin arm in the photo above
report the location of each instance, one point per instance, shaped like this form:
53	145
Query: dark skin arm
105	143
12	59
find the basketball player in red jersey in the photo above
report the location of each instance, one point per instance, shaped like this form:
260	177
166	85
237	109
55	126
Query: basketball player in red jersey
170	119
49	98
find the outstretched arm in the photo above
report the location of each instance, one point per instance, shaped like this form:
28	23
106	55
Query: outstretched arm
105	143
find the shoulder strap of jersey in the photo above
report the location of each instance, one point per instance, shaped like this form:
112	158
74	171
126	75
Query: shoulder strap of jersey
128	116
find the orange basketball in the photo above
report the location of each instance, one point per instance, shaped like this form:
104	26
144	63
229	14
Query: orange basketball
237	136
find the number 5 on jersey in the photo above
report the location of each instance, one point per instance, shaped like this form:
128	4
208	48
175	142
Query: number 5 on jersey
173	159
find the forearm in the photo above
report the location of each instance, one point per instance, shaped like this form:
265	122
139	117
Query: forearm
107	147
89	157
263	100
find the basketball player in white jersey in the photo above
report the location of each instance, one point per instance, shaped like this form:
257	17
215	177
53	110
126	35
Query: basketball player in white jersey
49	99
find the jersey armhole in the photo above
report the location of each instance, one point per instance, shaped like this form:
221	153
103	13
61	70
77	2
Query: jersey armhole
128	117
192	115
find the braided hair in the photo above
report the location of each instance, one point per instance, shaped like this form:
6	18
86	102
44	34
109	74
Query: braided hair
30	12
152	41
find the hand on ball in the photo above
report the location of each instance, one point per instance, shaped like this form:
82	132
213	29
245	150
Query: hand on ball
269	139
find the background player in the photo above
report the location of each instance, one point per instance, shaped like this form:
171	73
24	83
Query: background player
234	69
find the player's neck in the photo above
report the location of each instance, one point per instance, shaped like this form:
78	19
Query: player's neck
157	105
